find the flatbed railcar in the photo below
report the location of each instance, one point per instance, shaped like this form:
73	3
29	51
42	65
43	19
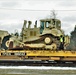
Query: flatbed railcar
60	55
38	58
37	45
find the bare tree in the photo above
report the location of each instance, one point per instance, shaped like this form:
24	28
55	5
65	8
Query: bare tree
53	14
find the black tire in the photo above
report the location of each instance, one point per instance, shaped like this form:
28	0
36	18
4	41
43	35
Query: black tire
5	39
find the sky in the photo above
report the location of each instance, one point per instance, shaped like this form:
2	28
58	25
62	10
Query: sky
14	12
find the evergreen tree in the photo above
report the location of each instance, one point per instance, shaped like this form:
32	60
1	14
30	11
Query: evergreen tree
73	39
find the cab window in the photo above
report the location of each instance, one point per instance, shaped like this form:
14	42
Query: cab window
47	24
41	27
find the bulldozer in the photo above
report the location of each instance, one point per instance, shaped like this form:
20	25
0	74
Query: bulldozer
46	36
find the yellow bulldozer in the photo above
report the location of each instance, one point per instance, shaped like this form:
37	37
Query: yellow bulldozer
46	36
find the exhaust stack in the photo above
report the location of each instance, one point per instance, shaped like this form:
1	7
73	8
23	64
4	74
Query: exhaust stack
29	24
24	25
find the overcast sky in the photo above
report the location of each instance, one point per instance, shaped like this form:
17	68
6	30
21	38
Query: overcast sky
14	12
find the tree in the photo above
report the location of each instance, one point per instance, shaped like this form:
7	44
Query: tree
53	14
73	39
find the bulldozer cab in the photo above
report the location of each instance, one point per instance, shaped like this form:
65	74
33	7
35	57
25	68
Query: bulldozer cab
49	23
43	25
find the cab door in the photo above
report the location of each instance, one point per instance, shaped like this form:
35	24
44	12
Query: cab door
41	27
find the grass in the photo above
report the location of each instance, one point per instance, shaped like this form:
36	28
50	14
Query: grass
36	72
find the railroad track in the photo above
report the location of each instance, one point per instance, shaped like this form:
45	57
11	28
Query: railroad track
38	63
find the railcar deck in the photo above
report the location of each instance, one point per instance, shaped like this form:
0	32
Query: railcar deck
38	55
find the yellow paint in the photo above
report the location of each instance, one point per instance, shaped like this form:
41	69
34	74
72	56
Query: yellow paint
43	53
50	53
